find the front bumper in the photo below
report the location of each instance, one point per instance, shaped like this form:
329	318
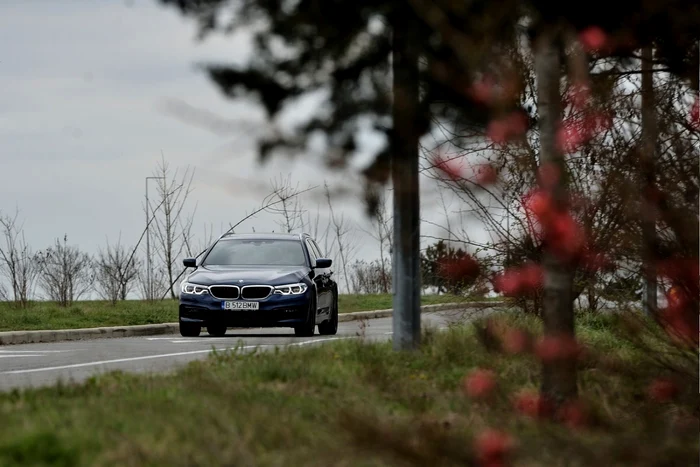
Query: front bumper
274	311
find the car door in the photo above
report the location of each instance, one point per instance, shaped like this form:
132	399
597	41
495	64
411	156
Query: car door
321	278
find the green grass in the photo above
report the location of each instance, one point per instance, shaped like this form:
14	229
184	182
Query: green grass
352	303
86	314
340	404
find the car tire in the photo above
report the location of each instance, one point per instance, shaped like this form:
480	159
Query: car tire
216	330
190	329
309	327
330	327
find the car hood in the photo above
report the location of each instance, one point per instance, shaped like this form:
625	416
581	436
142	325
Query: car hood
273	275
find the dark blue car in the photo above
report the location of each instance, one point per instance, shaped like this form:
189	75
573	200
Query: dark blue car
260	280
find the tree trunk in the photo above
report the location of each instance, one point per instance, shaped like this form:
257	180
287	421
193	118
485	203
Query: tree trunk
558	378
649	207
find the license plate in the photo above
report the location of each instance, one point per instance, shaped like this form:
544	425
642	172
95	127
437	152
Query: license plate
240	305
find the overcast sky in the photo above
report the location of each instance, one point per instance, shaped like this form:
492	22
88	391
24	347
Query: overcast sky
87	92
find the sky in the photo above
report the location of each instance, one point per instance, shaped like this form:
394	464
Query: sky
88	96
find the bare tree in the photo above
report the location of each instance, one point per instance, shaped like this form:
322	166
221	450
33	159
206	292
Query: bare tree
172	226
383	232
17	261
158	280
66	273
647	163
369	277
115	271
267	203
289	207
342	237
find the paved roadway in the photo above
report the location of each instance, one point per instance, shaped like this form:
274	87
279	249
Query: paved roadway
42	364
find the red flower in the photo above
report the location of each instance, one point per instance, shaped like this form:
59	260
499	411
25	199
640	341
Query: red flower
593	39
448	167
482	91
695	113
565	236
532	404
507	283
577	131
532	276
516	341
515	281
662	390
557	348
570	136
492	447
486	174
539	203
681	323
479	383
573	414
502	130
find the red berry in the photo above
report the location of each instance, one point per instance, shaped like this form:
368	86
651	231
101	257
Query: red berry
450	168
532	405
480	383
573	414
539	204
695	113
486	174
492	447
662	390
593	39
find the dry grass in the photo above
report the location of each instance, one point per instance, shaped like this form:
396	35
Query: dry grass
342	404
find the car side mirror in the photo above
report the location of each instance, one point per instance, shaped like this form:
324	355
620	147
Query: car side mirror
323	263
190	262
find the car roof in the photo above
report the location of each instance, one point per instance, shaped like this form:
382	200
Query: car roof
265	235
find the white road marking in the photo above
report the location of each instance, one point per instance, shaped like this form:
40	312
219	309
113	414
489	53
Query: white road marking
148	357
37	351
22	355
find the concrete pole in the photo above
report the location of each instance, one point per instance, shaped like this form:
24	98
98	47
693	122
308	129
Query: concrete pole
404	175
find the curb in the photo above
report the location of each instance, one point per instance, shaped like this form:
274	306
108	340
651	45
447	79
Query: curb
36	337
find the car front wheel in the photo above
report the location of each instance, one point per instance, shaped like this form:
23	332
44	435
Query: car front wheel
216	330
330	327
307	329
190	329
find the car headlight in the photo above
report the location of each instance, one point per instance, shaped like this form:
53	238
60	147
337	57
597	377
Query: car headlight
290	289
196	289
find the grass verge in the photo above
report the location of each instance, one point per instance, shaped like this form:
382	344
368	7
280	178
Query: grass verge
88	314
338	404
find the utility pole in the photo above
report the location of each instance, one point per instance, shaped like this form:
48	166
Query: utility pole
149	291
404	176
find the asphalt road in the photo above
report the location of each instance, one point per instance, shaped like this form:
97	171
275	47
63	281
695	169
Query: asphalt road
44	364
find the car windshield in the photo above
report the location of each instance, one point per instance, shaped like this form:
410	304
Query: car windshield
256	252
